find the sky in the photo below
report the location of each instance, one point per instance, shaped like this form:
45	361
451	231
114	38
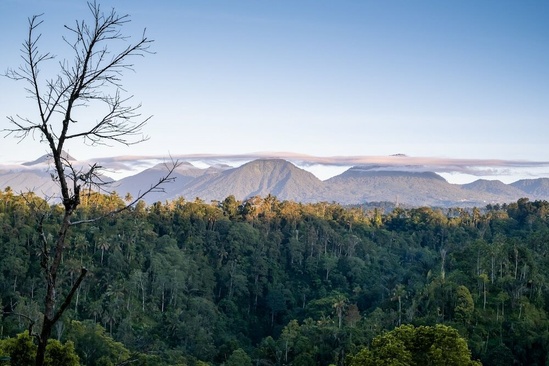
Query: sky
446	81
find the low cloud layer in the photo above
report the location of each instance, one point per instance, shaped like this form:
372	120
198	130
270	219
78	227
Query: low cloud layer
324	167
474	167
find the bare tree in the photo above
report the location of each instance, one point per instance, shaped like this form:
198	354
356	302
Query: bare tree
92	78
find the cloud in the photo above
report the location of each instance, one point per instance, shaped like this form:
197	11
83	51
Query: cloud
326	166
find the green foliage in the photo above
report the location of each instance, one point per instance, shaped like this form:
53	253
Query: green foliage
58	354
408	345
94	346
239	358
21	350
465	305
303	284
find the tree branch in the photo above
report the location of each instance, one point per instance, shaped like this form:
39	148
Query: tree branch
153	188
70	295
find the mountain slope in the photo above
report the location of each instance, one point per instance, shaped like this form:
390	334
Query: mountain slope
33	176
534	188
47	159
361	184
183	175
372	183
29	180
494	190
258	178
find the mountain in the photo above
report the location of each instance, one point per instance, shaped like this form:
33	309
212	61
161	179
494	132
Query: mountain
47	159
258	178
406	185
537	189
36	176
494	190
183	174
376	183
27	180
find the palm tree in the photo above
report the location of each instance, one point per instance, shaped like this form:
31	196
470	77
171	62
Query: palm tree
339	306
103	245
398	293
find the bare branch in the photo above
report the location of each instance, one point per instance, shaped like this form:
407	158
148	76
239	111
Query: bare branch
70	295
116	125
95	66
100	56
157	187
28	318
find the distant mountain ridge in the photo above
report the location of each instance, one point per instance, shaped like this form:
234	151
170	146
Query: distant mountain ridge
258	178
281	178
535	188
47	159
413	188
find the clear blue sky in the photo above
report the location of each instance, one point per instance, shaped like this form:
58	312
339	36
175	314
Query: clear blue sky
453	79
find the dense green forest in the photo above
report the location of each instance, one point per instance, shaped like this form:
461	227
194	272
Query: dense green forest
269	282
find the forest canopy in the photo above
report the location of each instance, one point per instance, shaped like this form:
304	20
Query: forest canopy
279	282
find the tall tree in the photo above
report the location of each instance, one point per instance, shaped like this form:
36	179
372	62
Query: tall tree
101	54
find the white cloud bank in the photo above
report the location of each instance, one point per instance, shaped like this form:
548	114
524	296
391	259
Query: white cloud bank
454	170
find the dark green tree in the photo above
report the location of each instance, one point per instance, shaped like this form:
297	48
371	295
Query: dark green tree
94	346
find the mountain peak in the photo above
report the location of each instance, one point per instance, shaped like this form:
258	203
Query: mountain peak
376	170
47	159
269	162
259	178
407	184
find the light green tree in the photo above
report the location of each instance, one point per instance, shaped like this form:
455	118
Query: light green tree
239	358
58	354
439	345
21	351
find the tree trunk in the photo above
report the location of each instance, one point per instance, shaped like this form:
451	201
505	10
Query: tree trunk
399	311
43	341
516	262
73	88
50	315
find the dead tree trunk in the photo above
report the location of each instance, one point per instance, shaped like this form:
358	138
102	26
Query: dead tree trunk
92	78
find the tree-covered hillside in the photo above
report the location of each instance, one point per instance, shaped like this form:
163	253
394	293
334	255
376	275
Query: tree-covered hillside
269	282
